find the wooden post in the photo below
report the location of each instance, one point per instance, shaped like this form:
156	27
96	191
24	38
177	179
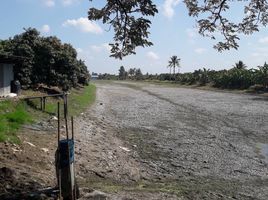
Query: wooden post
72	120
75	184
44	103
41	103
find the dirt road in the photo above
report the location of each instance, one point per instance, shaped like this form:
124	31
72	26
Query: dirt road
142	141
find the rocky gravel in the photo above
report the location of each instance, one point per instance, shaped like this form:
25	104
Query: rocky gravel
193	143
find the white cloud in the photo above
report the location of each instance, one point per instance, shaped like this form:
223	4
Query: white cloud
200	50
260	52
263	40
191	34
96	48
84	25
68	2
106	46
168	8
84	54
101	47
79	50
45	29
49	3
152	55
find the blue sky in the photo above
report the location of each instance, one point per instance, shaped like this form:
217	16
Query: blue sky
172	33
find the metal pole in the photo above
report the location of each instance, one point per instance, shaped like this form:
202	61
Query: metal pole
58	152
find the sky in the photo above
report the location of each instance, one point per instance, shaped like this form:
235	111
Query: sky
172	31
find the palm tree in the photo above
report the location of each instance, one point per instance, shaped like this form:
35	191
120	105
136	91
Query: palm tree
173	63
240	65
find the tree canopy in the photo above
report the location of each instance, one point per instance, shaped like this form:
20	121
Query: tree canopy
130	21
46	60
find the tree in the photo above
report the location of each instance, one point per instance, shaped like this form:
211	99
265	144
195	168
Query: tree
173	63
240	65
138	74
262	75
170	68
131	72
130	21
122	73
45	60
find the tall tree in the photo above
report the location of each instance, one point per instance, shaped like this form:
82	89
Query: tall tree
131	21
129	24
122	73
138	74
131	72
46	60
173	63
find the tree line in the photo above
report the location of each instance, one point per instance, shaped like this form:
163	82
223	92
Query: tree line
238	77
45	60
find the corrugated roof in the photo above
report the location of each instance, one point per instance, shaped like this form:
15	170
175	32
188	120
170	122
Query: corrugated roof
11	59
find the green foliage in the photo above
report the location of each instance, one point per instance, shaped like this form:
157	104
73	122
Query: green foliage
240	65
129	23
46	60
138	74
236	78
107	76
262	76
130	20
12	116
122	73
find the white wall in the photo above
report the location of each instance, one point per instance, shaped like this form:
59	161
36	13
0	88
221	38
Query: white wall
6	76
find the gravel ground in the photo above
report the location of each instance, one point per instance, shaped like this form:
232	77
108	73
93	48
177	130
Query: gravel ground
143	141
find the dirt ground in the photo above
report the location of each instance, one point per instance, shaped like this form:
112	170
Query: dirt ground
145	141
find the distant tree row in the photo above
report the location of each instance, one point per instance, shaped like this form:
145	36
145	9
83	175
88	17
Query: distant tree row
46	60
132	73
238	77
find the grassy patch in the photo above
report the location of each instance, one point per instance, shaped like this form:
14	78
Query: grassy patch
12	116
78	100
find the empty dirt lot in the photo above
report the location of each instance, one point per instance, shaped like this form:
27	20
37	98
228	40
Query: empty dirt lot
145	141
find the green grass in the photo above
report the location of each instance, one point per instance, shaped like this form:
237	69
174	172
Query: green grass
78	101
12	116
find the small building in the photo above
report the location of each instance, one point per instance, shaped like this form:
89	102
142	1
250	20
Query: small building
94	76
6	73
